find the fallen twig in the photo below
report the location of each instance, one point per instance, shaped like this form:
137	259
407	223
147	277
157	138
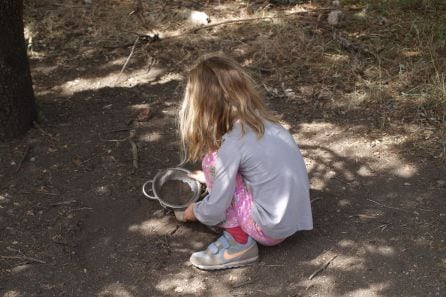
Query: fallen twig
383	226
322	268
134	149
131	54
64	202
258	18
24	258
155	37
40	192
174	230
243	283
398	208
383	205
25	154
315	199
118	130
81	208
113	140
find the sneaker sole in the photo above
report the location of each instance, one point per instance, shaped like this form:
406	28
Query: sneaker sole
235	264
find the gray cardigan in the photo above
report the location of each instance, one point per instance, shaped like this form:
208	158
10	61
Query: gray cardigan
273	170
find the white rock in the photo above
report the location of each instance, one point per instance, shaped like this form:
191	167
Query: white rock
199	18
334	17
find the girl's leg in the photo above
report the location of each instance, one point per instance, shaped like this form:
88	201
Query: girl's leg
229	251
242	205
238	215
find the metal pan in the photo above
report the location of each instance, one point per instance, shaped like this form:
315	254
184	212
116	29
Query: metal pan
162	177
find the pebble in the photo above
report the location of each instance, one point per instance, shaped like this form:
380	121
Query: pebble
103	191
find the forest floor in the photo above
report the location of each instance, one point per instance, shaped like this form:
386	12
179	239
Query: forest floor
365	100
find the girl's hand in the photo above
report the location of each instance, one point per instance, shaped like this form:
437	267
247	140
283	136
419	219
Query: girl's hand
198	175
189	215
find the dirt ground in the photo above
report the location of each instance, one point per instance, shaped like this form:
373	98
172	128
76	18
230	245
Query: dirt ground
74	221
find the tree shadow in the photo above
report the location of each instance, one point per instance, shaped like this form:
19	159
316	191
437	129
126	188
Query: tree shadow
380	222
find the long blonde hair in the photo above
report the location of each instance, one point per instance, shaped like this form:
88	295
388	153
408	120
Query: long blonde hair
218	92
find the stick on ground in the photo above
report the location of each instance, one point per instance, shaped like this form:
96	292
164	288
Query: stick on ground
322	268
64	203
134	149
24	258
131	54
243	283
25	154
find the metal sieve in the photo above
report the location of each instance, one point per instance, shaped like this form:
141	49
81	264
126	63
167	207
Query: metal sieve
162	177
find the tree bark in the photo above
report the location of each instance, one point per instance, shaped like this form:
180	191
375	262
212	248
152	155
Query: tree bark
17	104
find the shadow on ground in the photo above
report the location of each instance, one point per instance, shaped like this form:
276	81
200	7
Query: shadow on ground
75	223
382	218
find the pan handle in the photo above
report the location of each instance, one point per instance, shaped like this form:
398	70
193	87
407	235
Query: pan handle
204	193
146	193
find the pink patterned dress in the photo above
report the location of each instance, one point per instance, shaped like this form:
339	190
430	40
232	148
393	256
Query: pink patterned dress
239	212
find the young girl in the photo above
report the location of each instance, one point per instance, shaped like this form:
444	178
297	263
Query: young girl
255	174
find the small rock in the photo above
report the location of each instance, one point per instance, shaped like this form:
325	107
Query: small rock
441	183
290	94
334	17
103	191
144	114
199	18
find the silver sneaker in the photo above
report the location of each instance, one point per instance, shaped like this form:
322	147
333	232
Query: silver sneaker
226	253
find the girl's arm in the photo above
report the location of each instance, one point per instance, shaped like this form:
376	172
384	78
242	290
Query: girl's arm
212	209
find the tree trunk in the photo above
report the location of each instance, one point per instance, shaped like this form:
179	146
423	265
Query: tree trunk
17	105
